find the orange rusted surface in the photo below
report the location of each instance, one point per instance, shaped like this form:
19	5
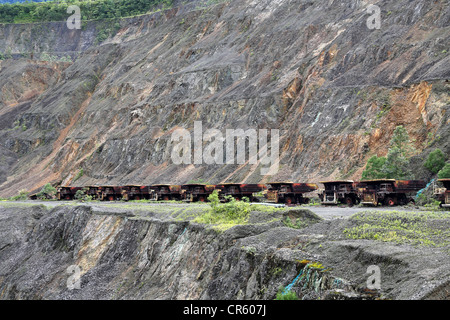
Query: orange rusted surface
289	192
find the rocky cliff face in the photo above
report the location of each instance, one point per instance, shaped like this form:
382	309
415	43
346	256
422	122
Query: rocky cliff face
312	69
157	253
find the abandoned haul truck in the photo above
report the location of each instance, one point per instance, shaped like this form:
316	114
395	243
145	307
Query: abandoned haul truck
135	192
388	192
109	193
336	192
197	192
289	192
239	191
165	192
67	193
443	194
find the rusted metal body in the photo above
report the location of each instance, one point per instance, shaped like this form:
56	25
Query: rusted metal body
109	193
443	194
67	193
289	192
198	192
135	192
166	192
92	191
343	191
239	191
389	192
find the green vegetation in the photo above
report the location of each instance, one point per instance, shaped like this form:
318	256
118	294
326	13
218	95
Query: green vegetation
299	223
79	175
290	295
47	192
48	57
435	161
21	196
444	173
276	271
197	181
374	168
396	164
29	12
415	228
226	215
7	54
81	195
427	200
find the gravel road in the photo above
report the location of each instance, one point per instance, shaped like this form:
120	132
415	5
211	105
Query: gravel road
326	212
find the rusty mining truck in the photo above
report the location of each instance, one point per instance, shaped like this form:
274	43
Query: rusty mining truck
443	194
289	192
388	192
67	193
198	192
239	191
165	192
336	192
109	193
135	192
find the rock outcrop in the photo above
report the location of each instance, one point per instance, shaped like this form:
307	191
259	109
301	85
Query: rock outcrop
157	254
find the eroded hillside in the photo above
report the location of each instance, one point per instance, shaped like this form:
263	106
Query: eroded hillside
312	69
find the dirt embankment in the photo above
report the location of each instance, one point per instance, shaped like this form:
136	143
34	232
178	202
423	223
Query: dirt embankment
161	254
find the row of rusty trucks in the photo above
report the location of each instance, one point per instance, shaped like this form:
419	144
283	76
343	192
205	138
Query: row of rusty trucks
386	192
163	192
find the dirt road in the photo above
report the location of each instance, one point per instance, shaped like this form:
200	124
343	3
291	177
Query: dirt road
325	212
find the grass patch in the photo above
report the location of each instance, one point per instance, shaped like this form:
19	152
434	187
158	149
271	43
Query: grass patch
430	229
290	295
21	205
223	216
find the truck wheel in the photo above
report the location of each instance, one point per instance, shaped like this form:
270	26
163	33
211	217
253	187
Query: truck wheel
288	200
349	201
390	202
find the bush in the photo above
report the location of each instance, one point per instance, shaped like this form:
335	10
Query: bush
445	172
231	213
290	295
435	161
21	196
47	192
396	164
225	215
81	195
